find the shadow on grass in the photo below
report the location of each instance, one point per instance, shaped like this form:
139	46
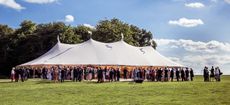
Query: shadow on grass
10	82
6	82
107	82
44	82
52	82
84	82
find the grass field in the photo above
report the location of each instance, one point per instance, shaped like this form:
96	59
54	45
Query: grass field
37	92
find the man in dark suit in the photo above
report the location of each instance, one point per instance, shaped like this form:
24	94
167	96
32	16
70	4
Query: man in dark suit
186	74
172	74
177	74
166	74
182	74
100	75
62	74
43	73
16	74
118	74
212	74
93	73
115	74
159	74
80	74
21	72
125	73
191	74
111	75
75	74
206	74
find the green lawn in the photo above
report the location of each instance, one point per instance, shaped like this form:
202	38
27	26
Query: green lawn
37	92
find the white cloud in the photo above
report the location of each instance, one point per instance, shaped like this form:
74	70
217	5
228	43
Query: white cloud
175	59
11	4
88	25
41	1
195	5
196	54
184	22
214	59
69	18
198	61
196	46
227	1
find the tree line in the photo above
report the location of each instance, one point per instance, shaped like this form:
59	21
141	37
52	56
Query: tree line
31	40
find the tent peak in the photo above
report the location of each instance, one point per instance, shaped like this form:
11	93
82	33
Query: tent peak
90	34
122	37
58	39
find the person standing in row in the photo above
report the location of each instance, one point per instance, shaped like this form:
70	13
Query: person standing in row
49	72
166	74
206	74
56	75
100	75
182	75
177	74
212	74
172	74
118	74
59	73
191	74
111	74
80	74
217	74
44	73
153	75
21	74
75	74
159	74
12	76
63	74
125	73
186	74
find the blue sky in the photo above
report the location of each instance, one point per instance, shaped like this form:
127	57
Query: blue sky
184	29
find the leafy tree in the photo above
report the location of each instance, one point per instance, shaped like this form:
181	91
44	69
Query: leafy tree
27	27
111	30
84	32
68	36
5	30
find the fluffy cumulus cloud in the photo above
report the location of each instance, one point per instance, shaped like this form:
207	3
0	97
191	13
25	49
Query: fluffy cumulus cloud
197	54
195	5
89	26
184	22
198	61
227	1
196	46
11	4
213	59
41	1
69	18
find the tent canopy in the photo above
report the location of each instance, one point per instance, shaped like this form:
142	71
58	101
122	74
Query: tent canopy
93	52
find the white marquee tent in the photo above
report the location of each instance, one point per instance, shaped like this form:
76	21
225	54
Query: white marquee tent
93	52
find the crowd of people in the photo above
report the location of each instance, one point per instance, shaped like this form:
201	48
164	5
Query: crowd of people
213	74
101	74
20	73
